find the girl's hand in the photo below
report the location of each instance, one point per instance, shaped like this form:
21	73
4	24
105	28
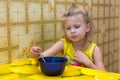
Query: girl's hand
81	57
34	51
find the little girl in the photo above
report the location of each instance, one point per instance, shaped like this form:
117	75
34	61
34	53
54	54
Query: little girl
75	44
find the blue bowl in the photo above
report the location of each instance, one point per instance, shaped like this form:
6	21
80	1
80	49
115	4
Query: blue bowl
54	65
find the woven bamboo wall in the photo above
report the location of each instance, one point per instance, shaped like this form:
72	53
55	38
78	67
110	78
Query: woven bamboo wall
24	23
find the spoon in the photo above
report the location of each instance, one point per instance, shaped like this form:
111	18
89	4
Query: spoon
42	57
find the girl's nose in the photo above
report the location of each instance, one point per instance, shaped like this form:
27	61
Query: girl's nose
72	30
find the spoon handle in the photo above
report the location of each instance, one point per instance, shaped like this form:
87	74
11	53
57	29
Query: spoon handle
42	58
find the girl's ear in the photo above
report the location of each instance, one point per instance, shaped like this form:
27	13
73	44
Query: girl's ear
88	27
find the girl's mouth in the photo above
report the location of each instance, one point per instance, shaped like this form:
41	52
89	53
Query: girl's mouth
73	37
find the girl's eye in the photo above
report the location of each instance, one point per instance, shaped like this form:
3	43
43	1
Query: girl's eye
68	28
77	26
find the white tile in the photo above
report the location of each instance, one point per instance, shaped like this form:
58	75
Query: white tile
3	11
4	42
49	31
106	60
4	57
60	10
80	1
47	14
17	12
3	31
101	11
34	12
94	12
14	30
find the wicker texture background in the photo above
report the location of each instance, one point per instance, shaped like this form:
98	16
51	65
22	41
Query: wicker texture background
24	23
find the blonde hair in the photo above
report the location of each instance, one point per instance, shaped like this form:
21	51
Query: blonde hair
76	9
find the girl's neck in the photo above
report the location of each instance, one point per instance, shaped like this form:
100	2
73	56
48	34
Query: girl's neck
80	45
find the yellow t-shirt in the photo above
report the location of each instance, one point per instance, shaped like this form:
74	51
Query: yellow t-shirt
69	50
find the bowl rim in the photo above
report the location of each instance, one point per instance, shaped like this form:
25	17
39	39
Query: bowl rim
66	60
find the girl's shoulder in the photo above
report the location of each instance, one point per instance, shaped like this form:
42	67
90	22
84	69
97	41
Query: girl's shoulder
90	45
65	40
66	43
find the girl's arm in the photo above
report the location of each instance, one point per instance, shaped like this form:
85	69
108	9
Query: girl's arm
97	57
98	60
54	50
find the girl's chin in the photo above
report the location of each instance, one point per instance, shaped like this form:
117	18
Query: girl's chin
75	41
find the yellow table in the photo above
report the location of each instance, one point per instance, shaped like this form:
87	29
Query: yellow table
28	69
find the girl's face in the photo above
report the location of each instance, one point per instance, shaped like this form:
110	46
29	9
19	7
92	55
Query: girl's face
76	28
